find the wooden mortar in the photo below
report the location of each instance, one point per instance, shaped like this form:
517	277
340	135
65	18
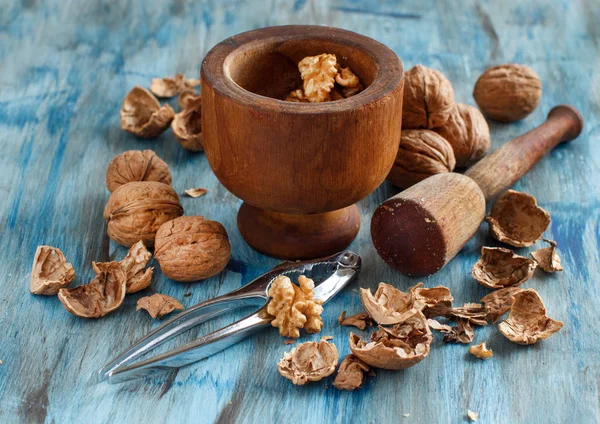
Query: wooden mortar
422	228
299	167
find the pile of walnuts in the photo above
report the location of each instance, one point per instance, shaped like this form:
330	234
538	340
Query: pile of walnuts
439	134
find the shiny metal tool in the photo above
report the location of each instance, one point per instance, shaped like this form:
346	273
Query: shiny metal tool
330	274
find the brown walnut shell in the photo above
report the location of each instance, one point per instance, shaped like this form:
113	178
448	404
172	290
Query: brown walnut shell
158	305
468	133
309	361
135	211
167	87
517	220
498	268
191	248
134	265
422	153
508	92
389	305
142	114
498	302
136	165
547	258
50	271
187	127
351	373
428	98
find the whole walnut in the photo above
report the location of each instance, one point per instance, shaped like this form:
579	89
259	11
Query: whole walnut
468	133
136	165
191	248
428	98
422	154
135	211
508	92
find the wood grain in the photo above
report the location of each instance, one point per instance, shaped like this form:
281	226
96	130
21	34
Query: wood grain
66	67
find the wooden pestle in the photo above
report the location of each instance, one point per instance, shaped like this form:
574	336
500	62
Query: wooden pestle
421	229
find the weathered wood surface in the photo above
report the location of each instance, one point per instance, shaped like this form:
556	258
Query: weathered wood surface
64	70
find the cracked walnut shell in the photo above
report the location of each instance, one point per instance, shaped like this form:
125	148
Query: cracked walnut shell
498	302
136	165
158	305
468	133
508	92
527	322
187	126
389	305
498	268
517	220
191	248
134	264
428	98
351	373
437	300
318	74
422	153
547	258
309	361
136	210
50	271
142	114
167	87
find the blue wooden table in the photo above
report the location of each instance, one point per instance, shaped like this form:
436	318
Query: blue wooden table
65	68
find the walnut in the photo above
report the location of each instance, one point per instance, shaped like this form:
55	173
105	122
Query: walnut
158	305
468	133
309	361
136	165
508	92
187	97
389	305
400	347
142	115
428	98
499	267
134	264
167	87
294	307
348	91
517	220
191	248
347	78
351	373
498	302
296	96
102	295
318	74
187	127
547	258
422	153
360	321
196	192
481	351
437	300
135	211
527	322
50	271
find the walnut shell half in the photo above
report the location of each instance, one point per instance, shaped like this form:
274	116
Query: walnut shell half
547	258
142	115
517	220
468	133
50	271
191	248
351	373
167	87
187	127
498	268
309	361
158	305
428	98
134	265
136	165
389	305
422	153
136	210
508	92
498	302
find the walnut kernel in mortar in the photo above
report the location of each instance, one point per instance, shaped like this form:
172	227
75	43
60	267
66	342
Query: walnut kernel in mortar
142	114
136	210
499	267
351	373
294	307
158	305
309	361
136	165
498	302
187	127
191	248
422	153
50	271
297	96
134	264
547	258
481	351
318	74
517	220
167	87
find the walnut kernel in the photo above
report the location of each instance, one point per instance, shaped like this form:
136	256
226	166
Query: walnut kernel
498	268
136	165
318	74
142	114
309	361
158	305
196	192
481	351
50	271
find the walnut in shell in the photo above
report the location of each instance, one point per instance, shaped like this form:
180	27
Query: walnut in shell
422	153
428	98
318	74
498	268
517	220
143	116
158	305
508	92
134	264
498	302
187	127
527	322
547	258
403	346
468	133
481	351
351	373
389	305
309	361
136	165
50	271
167	87
136	210
191	248
102	295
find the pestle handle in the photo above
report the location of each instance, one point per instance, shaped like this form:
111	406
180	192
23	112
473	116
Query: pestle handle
501	169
